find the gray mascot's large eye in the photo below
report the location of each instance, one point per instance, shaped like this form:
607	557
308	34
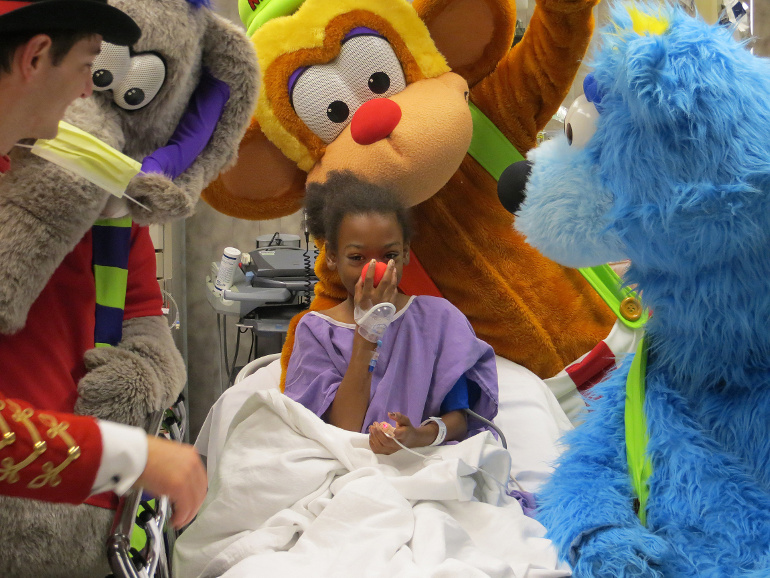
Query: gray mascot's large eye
327	96
141	83
110	66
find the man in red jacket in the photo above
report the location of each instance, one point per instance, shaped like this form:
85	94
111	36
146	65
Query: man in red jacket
47	48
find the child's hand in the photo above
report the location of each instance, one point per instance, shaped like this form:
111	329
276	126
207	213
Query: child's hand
367	295
382	435
380	441
404	432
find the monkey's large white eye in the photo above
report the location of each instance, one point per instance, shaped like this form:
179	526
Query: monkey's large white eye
326	96
324	102
580	122
110	66
141	83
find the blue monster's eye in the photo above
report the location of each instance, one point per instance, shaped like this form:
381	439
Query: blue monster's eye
580	122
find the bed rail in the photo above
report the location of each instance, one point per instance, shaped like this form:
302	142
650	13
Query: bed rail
127	555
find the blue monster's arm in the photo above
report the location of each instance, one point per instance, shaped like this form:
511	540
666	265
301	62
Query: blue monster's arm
588	503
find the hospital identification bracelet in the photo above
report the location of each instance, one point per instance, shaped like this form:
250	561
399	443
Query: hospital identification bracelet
441	430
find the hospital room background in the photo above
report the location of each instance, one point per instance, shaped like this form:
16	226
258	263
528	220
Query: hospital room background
217	339
186	250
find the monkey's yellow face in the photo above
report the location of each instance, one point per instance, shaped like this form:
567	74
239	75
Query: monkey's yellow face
411	142
360	86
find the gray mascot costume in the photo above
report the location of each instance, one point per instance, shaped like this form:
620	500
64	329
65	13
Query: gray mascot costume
178	102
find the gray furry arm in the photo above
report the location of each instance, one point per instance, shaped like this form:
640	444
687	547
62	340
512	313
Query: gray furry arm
229	56
44	212
143	374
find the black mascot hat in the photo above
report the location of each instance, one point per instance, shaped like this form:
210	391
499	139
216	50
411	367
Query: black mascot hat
41	16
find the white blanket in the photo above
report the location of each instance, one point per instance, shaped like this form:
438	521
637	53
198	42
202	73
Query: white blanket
303	498
529	416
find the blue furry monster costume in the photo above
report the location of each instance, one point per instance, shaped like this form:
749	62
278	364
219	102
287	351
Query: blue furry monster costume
676	177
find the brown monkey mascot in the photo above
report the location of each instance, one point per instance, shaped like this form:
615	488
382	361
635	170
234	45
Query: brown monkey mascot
382	88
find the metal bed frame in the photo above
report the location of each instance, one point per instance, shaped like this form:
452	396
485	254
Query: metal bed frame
136	510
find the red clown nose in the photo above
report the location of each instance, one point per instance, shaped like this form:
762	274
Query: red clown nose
379	271
374	120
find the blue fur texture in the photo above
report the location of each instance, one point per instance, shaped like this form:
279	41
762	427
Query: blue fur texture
200	3
676	178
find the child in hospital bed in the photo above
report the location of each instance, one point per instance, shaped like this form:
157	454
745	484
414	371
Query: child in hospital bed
364	363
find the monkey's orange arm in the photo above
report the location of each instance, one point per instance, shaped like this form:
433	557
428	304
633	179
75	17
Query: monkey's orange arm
530	83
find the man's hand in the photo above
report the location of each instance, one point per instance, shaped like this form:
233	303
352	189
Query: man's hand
175	470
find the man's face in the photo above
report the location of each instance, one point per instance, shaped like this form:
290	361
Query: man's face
60	85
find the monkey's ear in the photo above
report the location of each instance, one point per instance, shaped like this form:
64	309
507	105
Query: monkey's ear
263	184
473	35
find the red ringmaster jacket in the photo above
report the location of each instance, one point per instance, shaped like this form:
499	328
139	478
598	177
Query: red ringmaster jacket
47	455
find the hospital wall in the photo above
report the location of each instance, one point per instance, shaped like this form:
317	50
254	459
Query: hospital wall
207	233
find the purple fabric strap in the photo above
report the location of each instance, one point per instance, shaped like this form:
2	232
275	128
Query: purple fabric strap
526	501
194	130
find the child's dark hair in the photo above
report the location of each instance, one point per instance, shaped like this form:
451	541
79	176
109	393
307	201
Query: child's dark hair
345	194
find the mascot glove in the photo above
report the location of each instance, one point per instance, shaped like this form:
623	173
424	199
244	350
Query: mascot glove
166	200
119	386
614	551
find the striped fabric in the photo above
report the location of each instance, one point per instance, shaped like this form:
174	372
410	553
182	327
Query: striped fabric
573	384
111	247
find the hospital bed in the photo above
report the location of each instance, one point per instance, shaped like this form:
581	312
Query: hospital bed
532	416
273	441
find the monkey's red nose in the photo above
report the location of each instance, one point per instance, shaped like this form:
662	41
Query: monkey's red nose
374	120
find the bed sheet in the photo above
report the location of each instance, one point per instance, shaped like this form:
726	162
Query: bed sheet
529	416
294	496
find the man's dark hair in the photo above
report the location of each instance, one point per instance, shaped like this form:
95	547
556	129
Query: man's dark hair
345	194
62	42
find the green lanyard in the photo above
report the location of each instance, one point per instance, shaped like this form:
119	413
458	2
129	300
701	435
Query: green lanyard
637	437
493	151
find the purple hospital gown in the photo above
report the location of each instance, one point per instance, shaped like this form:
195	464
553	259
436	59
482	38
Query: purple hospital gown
426	349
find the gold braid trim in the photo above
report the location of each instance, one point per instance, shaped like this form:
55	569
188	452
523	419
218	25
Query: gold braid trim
8	436
50	475
9	471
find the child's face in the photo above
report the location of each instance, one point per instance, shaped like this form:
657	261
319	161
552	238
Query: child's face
362	238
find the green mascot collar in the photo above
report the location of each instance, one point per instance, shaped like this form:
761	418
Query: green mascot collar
254	13
494	152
